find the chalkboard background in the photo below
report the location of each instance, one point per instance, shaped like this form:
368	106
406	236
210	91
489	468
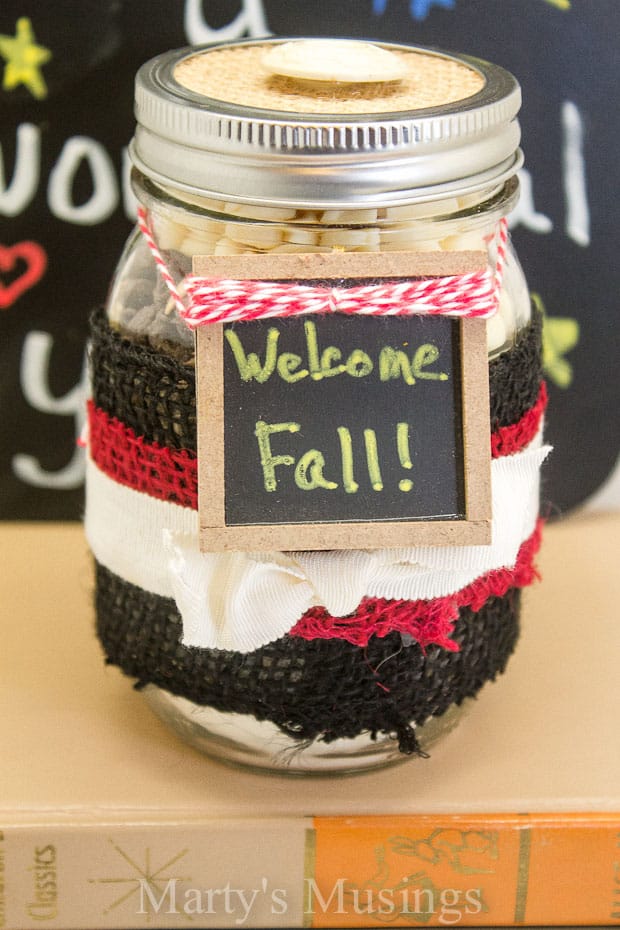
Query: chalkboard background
65	123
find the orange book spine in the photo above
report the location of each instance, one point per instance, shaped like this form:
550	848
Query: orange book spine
508	870
129	870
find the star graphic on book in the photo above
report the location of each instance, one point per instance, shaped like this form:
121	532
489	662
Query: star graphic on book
24	59
147	883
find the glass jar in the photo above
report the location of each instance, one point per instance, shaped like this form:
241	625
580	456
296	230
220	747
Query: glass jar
185	226
305	166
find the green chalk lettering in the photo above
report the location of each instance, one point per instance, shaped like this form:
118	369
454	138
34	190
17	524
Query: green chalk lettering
404	454
312	344
309	472
359	364
402	444
288	363
372	459
424	356
346	453
250	365
268	460
394	363
329	355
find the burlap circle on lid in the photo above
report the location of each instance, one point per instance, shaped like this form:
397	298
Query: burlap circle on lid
235	75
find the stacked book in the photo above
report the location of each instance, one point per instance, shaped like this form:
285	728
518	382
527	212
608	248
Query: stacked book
107	820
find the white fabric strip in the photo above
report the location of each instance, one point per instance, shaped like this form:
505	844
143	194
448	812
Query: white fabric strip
233	600
242	601
125	530
425	572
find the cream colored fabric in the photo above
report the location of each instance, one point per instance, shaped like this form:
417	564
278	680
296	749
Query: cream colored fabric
242	601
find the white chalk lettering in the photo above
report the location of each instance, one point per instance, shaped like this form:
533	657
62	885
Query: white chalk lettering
34	377
573	168
525	212
104	198
250	20
17	196
574	176
130	203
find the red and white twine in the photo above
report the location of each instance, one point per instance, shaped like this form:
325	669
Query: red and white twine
211	300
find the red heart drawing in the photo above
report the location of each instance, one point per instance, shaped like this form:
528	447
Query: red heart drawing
36	262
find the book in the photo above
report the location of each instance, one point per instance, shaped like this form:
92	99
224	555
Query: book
107	820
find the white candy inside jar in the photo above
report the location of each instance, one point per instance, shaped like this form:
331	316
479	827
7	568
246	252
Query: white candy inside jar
209	227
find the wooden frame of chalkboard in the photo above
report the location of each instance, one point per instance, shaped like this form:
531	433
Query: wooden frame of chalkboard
339	431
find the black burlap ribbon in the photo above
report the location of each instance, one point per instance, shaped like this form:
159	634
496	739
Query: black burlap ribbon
317	689
155	395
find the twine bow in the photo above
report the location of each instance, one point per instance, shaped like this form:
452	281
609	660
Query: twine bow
201	300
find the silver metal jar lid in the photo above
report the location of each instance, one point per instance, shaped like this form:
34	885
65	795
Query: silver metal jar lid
282	145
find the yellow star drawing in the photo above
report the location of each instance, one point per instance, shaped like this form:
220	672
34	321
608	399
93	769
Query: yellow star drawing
24	58
560	335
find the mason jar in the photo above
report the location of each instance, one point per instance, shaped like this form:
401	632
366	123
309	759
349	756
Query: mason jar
288	660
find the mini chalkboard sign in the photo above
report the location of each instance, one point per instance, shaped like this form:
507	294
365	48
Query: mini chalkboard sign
333	430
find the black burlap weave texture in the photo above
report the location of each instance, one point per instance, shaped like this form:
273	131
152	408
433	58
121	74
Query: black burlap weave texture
155	395
318	689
